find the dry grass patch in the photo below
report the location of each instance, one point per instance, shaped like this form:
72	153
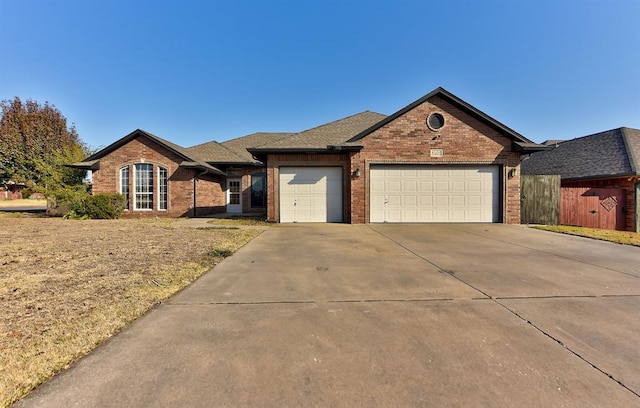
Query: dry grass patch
620	237
240	220
66	286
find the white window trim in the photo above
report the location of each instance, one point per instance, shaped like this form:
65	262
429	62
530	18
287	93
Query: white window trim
166	169
128	194
135	193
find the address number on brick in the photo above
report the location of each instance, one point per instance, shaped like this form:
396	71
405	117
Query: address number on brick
437	152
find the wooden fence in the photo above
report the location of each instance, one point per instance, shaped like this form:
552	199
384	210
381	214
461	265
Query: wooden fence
540	199
593	207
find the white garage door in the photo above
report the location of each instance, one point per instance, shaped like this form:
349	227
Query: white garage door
403	193
310	194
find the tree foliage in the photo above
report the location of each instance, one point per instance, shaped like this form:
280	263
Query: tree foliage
36	143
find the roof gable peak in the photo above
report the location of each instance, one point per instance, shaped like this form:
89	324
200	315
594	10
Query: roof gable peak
451	98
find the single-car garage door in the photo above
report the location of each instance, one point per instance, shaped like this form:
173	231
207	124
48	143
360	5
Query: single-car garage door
434	193
310	194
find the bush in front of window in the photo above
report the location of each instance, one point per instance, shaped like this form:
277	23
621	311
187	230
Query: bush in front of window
104	206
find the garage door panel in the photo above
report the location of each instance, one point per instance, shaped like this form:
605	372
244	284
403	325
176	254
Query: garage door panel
442	186
458	186
458	201
421	193
310	194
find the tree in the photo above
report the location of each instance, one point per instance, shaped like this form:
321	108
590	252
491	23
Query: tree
35	144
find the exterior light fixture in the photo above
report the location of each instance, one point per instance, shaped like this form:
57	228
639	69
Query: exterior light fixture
357	173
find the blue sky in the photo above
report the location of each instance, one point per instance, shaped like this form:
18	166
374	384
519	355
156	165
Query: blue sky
195	71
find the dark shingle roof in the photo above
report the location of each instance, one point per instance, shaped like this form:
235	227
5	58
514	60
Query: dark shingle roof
335	133
613	153
193	161
240	145
214	152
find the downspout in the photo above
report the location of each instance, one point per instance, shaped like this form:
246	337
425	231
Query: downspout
195	179
637	206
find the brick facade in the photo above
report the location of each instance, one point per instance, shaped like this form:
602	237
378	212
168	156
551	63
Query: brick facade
275	161
407	140
209	189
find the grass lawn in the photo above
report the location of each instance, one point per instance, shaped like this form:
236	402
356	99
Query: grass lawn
620	237
66	285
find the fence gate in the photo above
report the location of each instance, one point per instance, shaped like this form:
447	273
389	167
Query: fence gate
540	199
593	207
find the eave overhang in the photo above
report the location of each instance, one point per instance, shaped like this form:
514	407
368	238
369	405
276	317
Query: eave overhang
206	168
526	147
85	165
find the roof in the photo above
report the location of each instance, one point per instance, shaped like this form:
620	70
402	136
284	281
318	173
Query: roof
213	152
92	162
521	142
240	145
325	136
613	153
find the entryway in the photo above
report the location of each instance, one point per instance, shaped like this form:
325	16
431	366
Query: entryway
234	195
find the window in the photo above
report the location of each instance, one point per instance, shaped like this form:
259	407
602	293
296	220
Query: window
258	190
162	188
124	185
143	186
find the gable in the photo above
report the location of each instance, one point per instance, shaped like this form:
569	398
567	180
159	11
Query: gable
461	137
460	105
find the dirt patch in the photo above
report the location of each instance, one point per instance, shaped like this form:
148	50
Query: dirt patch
66	286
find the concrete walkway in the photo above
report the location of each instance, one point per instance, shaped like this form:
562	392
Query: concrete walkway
383	315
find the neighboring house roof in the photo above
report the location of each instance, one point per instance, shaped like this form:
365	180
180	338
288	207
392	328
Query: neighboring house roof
521	143
552	142
323	137
613	153
190	160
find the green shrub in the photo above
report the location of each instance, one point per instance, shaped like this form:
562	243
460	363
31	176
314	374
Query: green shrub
104	206
69	202
77	203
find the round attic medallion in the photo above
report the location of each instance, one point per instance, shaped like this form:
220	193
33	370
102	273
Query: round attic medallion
435	121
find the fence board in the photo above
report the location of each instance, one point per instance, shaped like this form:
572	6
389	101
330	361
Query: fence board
540	199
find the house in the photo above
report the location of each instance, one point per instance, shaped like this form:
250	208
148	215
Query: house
438	159
11	190
599	164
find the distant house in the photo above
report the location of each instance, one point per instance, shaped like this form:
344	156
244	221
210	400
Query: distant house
608	159
11	190
438	159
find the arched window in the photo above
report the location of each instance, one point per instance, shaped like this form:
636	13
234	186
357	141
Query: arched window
143	186
124	184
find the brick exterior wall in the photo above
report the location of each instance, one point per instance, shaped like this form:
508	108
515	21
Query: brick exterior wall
209	191
627	183
463	139
245	173
275	161
408	140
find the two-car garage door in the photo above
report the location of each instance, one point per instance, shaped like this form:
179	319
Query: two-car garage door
414	193
398	193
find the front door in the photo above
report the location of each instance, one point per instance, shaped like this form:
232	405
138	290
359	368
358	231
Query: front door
234	195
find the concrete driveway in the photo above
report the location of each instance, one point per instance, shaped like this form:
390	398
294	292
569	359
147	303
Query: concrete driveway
383	315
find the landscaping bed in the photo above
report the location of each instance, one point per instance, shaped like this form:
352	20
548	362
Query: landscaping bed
66	286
